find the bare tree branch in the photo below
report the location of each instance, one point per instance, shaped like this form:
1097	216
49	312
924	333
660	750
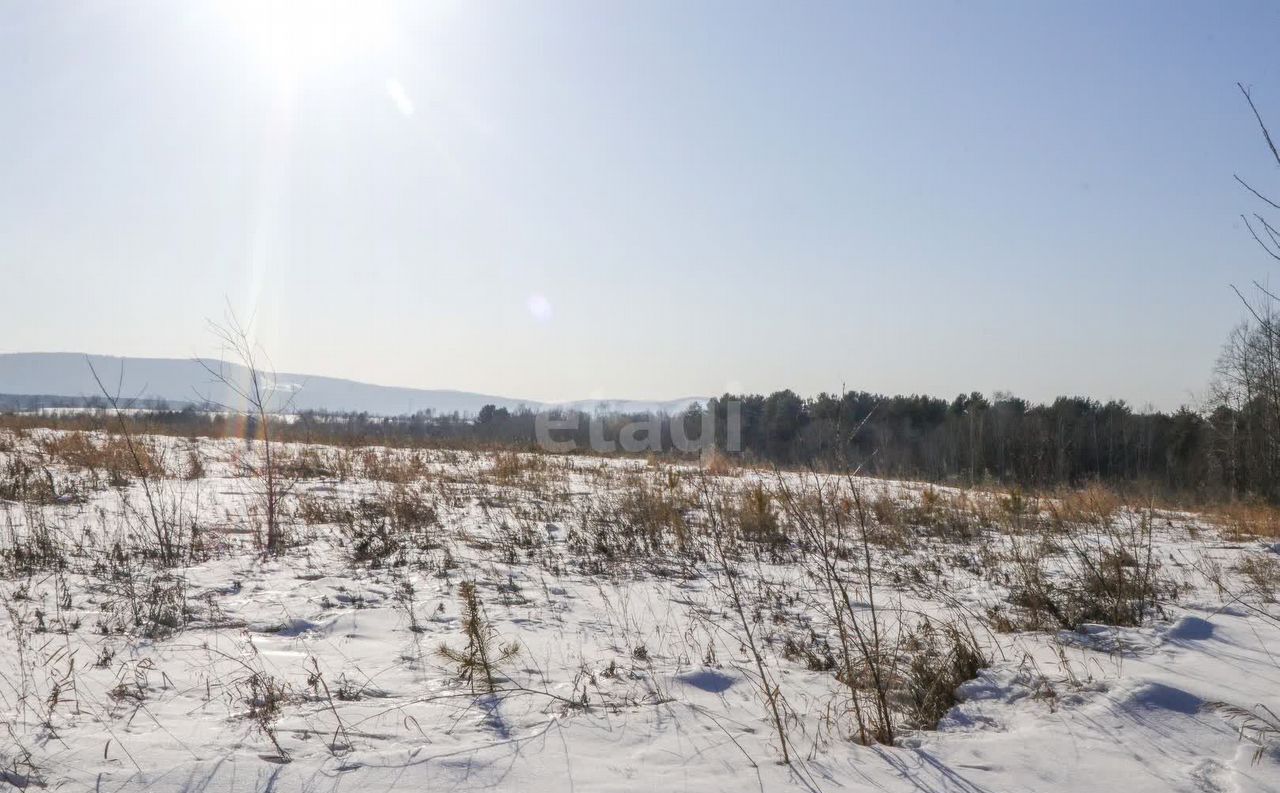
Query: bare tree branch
1265	132
1249	187
1258	239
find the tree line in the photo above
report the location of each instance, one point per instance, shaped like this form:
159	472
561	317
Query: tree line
970	439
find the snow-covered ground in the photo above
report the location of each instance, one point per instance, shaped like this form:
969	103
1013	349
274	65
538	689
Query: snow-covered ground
319	668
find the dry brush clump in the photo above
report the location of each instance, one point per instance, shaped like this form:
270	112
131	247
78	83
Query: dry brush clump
1244	521
311	462
717	463
24	481
517	468
645	519
757	517
1019	511
116	457
953	515
1101	570
1113	574
31	542
153	605
380	527
652	514
1093	506
386	465
941	658
265	697
902	518
896	669
1263	576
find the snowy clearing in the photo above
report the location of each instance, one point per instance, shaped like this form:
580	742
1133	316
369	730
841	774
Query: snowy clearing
649	627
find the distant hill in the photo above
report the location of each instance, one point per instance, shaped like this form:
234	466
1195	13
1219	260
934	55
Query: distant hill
67	377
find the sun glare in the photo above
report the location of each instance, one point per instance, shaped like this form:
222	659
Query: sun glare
295	37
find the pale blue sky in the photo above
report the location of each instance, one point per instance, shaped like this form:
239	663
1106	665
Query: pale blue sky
567	200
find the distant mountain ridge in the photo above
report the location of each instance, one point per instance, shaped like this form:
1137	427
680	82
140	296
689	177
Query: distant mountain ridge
183	381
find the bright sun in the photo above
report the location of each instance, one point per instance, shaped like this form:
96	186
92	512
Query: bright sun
299	36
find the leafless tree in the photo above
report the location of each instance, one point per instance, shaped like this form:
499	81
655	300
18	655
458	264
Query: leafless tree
255	388
1248	371
1262	230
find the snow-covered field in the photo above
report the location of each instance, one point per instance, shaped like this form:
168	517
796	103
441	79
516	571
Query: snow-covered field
662	615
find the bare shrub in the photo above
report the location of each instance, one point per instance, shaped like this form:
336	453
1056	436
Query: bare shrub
948	514
1113	574
316	510
1037	602
154	605
164	518
258	394
194	468
886	510
895	670
834	519
1019	511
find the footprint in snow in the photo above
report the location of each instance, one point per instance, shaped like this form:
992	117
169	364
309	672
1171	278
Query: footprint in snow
1190	629
1211	776
709	680
1158	696
294	626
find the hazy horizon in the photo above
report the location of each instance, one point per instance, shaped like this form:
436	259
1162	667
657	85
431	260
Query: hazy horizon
570	201
518	398
136	389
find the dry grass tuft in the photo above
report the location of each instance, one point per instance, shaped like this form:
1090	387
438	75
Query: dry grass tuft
1245	521
946	513
1094	505
1263	574
717	463
651	514
757	518
109	455
513	467
387	465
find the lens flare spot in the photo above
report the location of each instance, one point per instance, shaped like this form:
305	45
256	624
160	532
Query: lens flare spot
539	307
400	97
